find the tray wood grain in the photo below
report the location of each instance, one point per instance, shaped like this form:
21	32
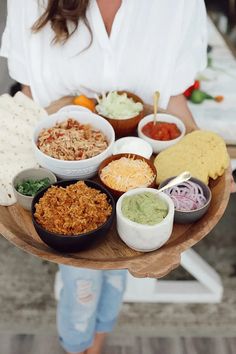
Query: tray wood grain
111	252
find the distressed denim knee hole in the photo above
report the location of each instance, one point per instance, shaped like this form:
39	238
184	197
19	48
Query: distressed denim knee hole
84	293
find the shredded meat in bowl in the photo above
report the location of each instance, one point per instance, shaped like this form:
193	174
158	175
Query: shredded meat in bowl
72	141
73	210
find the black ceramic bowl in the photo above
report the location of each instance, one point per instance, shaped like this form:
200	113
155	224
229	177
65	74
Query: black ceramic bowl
73	243
188	217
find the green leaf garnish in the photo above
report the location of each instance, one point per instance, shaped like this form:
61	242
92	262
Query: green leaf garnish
30	187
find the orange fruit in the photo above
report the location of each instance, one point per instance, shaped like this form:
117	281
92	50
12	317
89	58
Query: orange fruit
84	101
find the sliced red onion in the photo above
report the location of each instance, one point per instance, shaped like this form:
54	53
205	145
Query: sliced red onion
187	196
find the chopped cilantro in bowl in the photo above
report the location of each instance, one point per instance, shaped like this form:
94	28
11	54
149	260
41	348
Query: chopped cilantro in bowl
30	187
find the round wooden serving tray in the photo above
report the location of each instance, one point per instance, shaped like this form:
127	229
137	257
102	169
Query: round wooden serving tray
111	252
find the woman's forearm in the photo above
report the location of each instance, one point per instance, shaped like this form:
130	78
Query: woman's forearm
26	90
178	107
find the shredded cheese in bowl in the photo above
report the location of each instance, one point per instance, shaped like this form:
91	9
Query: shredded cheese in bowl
127	173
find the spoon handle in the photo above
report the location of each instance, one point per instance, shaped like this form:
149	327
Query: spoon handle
183	177
155	105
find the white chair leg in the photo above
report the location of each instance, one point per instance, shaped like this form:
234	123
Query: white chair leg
207	288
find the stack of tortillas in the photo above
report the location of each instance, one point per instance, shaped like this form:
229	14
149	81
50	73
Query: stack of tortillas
202	153
18	117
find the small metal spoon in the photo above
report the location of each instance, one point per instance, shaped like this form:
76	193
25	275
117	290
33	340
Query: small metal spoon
183	177
155	105
97	98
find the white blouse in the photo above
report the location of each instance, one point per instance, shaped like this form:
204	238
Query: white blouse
154	45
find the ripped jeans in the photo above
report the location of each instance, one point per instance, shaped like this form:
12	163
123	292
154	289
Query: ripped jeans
90	302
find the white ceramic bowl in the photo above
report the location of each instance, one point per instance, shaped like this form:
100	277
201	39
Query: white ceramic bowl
82	169
30	173
145	238
133	145
73	107
159	145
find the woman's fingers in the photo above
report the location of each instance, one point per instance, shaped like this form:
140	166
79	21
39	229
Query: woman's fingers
56	105
233	185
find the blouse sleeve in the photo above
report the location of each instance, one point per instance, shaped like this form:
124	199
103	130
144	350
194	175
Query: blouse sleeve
13	42
192	53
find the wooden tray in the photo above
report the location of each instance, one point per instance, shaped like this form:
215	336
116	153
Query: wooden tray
111	252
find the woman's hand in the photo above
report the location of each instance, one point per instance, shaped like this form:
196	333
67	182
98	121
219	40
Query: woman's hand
58	104
26	90
233	184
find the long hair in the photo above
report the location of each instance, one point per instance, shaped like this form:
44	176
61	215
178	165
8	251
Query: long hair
58	13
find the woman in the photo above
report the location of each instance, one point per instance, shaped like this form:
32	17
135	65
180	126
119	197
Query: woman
57	48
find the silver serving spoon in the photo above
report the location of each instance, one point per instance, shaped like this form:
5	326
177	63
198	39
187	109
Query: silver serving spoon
183	177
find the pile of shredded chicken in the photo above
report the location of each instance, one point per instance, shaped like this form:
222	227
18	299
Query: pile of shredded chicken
72	141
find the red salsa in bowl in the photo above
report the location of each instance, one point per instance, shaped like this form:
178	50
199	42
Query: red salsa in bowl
161	130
